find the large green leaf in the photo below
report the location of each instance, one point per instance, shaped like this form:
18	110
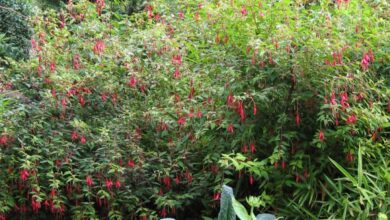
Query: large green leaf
240	210
265	216
227	212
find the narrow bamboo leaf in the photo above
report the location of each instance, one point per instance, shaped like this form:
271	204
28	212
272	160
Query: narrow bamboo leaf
345	172
360	167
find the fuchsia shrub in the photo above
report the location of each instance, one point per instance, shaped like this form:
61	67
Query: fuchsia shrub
147	116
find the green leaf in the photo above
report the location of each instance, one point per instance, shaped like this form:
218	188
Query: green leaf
226	212
345	172
265	216
360	167
240	210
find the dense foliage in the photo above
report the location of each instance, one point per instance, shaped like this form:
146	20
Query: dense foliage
15	32
147	116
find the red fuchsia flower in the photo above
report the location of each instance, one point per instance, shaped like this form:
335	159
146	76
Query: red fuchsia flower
188	176
34	44
3	139
118	184
74	136
349	157
177	60
58	163
167	181
337	122
52	67
39	70
82	139
103	97
176	75
254	109
321	136
344	100
163	212
46	203
351	119
276	165
297	119
35	205
217	196
149	8
157	17
142	88
261	14
130	163
333	99
196	16
244	148
181	15
47	80
241	110
143	217
62	21
81	100
53	192
54	93
199	114
89	181
71	92
214	168
283	164
253	148
191	113
109	184
244	12
388	106
251	179
327	62
99	6
230	99
337	57
182	120
177	180
230	128
365	62
359	96
24	174
132	81
374	136
76	62
297	178
99	46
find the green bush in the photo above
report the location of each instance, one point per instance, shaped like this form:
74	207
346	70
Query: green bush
148	116
15	27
